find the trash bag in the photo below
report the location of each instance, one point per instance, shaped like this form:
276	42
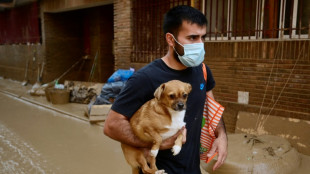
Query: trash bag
121	75
109	90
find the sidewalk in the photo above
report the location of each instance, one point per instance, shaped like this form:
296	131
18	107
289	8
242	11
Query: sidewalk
17	90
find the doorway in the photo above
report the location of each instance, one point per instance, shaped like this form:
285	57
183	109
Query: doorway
84	35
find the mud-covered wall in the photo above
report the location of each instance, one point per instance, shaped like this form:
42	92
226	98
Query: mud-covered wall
20	45
14	60
267	77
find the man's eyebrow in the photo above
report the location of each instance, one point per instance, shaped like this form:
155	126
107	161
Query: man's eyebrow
196	36
193	35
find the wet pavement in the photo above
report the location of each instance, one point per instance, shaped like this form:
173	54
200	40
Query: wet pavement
48	139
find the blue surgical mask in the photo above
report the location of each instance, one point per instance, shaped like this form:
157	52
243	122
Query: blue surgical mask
193	54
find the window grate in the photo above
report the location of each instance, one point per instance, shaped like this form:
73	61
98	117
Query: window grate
257	19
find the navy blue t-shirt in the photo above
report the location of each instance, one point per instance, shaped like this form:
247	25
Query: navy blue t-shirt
140	88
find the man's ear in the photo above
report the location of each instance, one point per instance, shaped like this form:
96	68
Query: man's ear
159	91
170	39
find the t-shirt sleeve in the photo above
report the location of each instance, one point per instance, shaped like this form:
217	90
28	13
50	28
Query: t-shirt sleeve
135	93
210	80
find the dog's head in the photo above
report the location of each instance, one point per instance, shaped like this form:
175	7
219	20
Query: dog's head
173	94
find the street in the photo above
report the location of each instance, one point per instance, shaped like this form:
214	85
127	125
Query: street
37	140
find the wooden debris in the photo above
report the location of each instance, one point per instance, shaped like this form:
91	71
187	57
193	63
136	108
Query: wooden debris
98	113
95	119
97	110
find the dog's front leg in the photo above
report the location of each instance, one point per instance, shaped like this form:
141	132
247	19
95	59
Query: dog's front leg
177	145
157	140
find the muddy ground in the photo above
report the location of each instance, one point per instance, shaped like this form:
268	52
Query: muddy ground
36	140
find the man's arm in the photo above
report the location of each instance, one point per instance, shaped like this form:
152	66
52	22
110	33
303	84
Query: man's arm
220	143
117	127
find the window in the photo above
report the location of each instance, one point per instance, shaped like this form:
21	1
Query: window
218	23
256	19
231	19
295	23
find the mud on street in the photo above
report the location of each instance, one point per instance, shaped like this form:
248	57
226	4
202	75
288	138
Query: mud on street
36	140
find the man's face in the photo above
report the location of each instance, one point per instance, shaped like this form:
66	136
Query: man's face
188	34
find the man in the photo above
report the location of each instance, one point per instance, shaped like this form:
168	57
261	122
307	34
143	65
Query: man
185	29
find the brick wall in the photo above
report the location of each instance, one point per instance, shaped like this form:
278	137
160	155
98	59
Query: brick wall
122	33
275	73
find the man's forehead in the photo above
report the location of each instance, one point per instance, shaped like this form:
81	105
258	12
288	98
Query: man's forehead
190	28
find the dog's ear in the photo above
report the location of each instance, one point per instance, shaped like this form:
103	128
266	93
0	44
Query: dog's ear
158	91
189	88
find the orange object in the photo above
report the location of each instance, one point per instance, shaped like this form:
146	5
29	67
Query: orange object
212	114
209	159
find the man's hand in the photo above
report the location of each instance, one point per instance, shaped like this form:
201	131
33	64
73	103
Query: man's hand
220	143
169	142
220	146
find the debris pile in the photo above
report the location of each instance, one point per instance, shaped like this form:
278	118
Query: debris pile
81	92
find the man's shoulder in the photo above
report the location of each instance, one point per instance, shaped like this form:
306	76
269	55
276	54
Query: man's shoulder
146	73
150	68
154	64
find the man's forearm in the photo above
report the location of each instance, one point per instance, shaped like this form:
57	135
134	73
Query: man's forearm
220	129
119	129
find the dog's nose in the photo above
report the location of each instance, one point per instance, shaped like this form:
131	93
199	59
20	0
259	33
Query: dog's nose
180	105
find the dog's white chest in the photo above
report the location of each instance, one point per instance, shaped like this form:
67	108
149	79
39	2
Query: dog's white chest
176	124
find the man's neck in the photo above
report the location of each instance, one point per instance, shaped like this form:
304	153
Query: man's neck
172	63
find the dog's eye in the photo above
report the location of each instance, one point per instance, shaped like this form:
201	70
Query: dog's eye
184	95
172	96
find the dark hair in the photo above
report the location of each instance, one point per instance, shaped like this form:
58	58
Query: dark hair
174	17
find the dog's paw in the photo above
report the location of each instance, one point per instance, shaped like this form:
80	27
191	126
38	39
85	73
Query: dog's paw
154	153
176	149
160	172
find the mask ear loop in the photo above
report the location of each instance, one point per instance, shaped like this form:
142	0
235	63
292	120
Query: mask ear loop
176	42
176	51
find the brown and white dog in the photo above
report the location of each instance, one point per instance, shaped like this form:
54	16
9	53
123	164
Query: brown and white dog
157	120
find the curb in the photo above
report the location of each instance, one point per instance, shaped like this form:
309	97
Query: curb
42	105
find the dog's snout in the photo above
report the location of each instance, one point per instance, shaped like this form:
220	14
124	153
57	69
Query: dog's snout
180	105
